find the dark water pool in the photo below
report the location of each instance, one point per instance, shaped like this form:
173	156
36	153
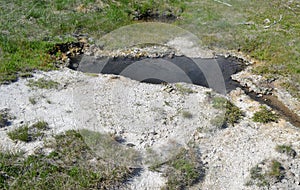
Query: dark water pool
213	73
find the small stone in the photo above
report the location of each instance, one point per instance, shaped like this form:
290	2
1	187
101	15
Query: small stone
171	55
267	21
130	145
153	132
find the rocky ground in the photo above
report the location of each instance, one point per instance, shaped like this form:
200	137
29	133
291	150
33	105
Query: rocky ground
162	118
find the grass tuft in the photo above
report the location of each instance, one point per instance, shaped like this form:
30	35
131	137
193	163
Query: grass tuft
183	90
265	116
32	100
43	84
21	133
41	125
187	114
285	149
28	133
265	176
182	170
219	121
232	113
276	170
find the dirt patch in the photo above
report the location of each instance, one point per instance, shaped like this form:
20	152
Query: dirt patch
63	52
154	15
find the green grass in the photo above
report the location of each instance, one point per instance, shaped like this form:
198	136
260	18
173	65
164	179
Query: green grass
21	133
276	170
29	29
28	133
257	177
219	102
109	147
22	57
41	125
232	114
277	47
265	116
72	164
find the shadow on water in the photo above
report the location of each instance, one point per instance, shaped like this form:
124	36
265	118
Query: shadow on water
212	73
171	70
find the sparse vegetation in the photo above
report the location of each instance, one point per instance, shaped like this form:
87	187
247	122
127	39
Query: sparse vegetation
41	125
72	164
109	147
258	177
272	43
264	176
219	121
32	100
277	171
219	102
28	133
187	114
182	170
92	74
265	116
285	149
183	90
21	133
4	118
43	83
232	114
26	75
